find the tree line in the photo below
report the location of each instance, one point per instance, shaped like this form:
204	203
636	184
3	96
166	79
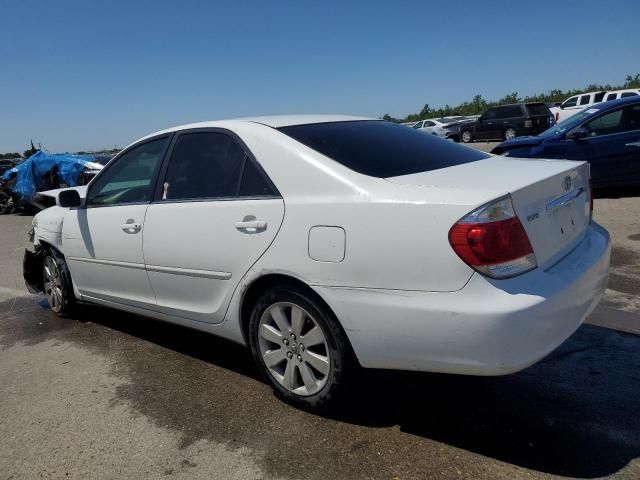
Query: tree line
478	104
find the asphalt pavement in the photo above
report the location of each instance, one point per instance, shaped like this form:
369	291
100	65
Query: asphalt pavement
108	395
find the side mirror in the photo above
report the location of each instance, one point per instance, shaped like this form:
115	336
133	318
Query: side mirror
69	199
578	134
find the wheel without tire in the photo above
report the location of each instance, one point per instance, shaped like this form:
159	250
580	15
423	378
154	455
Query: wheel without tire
299	348
509	133
57	283
466	136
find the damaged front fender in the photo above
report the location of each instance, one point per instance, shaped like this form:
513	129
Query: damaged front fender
32	269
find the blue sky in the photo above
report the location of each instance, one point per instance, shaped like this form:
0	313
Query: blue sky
86	74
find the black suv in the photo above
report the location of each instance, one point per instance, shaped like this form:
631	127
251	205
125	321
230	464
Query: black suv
505	122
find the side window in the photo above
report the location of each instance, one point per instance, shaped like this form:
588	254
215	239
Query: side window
630	120
253	183
128	180
628	94
512	111
418	125
611	96
571	102
490	114
203	165
429	124
584	99
598	97
606	124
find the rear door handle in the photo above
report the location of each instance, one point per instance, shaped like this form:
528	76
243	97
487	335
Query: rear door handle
131	226
633	144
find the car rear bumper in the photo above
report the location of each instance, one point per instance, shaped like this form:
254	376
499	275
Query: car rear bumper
490	327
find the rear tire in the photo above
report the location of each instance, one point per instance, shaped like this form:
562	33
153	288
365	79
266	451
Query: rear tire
300	348
466	136
57	285
510	133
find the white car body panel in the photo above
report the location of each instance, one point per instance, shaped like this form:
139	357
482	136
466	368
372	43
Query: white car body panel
105	261
375	250
194	252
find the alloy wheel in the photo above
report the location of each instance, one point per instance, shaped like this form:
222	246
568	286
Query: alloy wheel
466	137
294	348
53	284
509	134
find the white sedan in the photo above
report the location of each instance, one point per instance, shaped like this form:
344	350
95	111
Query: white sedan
436	126
325	243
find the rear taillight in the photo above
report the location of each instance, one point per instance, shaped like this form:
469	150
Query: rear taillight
492	241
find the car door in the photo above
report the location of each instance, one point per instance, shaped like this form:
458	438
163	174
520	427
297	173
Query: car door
429	127
485	124
215	214
613	146
102	240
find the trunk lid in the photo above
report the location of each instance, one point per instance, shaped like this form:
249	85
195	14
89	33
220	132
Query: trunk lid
550	197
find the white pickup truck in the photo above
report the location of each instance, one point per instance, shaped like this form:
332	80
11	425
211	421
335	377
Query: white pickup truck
579	102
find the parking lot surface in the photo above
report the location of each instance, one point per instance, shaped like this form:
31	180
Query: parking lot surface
106	394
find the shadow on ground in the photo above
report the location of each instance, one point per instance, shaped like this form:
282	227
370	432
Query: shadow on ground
574	414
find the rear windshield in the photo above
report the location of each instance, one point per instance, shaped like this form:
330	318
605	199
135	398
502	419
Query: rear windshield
538	109
381	149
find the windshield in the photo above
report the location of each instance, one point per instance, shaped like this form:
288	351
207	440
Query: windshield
381	149
569	124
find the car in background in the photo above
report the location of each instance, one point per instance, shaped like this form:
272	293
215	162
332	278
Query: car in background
576	103
505	122
606	135
453	275
436	126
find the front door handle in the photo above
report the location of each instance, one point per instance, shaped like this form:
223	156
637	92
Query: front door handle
251	226
131	226
633	144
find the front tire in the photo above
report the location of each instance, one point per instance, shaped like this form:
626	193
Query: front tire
300	348
56	283
466	136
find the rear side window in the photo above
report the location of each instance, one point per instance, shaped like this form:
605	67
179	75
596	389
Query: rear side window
381	149
203	165
254	182
509	111
538	109
628	94
611	96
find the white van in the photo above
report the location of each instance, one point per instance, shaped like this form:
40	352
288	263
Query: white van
579	102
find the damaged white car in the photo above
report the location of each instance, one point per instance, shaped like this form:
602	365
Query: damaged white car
325	243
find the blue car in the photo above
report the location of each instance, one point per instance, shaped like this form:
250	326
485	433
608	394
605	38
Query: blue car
607	135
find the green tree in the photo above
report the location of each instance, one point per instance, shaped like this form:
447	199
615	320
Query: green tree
30	151
478	105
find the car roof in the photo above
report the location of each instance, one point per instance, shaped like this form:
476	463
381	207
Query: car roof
616	103
274	121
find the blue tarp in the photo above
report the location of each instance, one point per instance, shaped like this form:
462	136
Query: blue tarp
31	174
